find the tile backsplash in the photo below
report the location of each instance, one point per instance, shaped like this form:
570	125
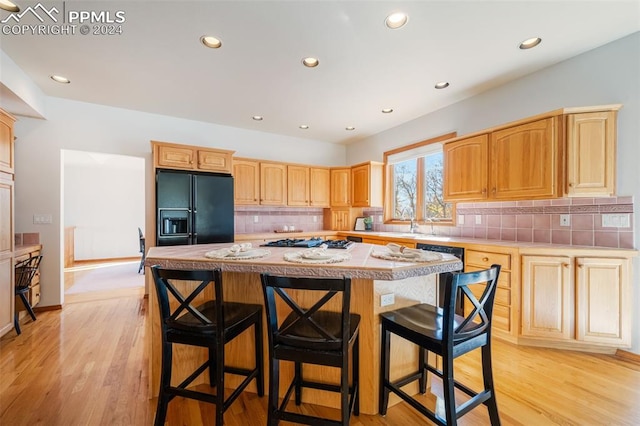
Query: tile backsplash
539	221
259	219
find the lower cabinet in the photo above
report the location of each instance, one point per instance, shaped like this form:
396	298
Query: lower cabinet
34	292
341	218
580	300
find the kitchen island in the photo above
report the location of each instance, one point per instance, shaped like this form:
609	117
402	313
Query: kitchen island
409	282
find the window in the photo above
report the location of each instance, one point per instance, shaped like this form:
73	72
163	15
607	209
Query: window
415	183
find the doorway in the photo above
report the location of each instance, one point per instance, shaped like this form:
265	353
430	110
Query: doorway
103	205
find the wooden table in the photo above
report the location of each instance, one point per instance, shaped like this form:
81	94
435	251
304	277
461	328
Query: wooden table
410	282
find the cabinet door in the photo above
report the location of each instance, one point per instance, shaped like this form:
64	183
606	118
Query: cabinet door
273	184
603	296
319	187
176	157
340	187
6	294
361	189
525	161
297	186
591	154
6	142
246	186
547	297
214	161
466	168
340	219
6	215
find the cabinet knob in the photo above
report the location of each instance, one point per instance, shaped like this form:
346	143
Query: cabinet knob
484	190
571	184
485	259
566	265
493	190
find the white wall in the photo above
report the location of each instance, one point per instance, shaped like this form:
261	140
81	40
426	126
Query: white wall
104	201
607	75
81	126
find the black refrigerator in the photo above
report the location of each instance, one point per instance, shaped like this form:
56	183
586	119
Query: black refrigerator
193	208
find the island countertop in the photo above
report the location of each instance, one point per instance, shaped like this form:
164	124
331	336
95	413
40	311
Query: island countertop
360	265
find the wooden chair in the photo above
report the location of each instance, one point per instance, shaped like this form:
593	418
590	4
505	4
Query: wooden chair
211	324
311	335
25	271
444	333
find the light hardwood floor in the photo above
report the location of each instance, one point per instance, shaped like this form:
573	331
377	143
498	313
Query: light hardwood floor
87	365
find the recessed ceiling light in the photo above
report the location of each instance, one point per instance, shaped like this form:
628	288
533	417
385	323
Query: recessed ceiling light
257	117
211	41
60	79
9	6
349	128
396	20
304	126
387	110
310	62
530	42
441	84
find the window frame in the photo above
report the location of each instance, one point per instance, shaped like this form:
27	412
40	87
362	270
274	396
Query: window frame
389	179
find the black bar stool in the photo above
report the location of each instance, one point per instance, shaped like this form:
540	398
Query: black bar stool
311	335
443	332
211	325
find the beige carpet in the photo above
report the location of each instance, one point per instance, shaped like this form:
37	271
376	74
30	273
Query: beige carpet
104	277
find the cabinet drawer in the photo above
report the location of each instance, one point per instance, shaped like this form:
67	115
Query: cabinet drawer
34	295
486	259
501	318
504	279
503	295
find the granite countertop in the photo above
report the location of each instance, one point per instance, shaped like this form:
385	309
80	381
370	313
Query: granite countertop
360	265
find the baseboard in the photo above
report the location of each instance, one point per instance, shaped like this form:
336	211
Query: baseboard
628	356
111	259
46	308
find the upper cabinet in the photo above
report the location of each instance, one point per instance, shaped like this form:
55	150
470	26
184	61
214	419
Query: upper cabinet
6	142
366	181
341	187
591	153
246	182
298	185
525	161
185	157
466	171
319	187
273	184
564	152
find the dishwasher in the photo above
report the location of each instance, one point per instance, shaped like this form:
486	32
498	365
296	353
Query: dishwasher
457	252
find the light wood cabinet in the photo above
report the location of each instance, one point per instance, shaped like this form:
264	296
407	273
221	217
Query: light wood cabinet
466	168
186	157
340	187
503	311
246	182
366	185
6	223
341	218
319	187
591	154
547	297
525	161
582	300
603	301
298	180
518	162
273	184
6	142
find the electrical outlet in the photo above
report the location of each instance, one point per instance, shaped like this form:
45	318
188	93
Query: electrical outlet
478	219
256	219
315	219
41	219
460	219
387	299
565	220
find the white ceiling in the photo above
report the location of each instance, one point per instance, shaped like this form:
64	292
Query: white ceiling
158	65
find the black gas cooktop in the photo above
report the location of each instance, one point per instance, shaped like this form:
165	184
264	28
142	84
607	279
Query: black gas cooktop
312	242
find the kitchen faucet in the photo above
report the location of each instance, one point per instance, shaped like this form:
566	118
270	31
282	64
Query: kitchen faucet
413	227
